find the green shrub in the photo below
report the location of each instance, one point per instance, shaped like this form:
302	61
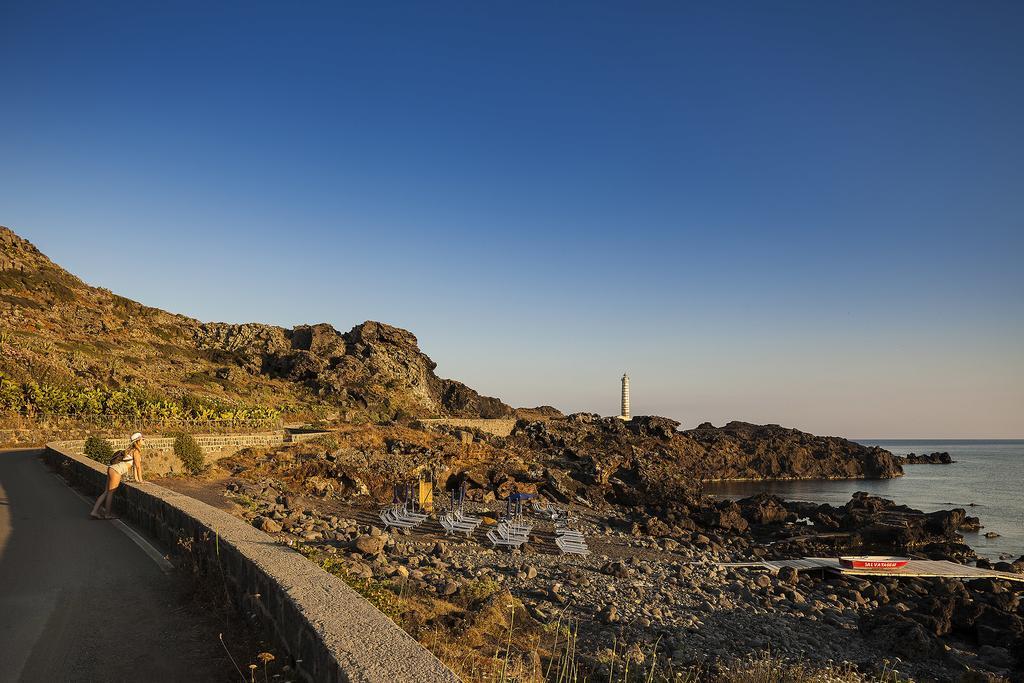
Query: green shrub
480	589
11	400
189	452
99	449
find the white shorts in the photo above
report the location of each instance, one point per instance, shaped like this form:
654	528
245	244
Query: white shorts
122	467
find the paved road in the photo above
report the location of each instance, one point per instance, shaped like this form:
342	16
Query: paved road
80	601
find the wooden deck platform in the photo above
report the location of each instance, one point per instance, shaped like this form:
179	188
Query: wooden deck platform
916	568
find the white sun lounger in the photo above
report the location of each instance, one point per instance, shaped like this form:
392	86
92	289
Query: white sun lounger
418	516
515	527
513	541
569	534
506	532
471	519
389	520
452	526
400	519
572	547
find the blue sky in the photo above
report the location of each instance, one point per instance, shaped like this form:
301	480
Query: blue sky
802	213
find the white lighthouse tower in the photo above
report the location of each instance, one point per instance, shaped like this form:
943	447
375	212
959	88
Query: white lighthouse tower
624	413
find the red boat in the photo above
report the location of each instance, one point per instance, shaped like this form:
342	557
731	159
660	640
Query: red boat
873	562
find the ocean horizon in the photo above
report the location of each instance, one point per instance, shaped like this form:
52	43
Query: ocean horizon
984	479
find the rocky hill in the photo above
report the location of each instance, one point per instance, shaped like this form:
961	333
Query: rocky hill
648	461
56	329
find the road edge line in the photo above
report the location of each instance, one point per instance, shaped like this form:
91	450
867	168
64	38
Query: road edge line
137	538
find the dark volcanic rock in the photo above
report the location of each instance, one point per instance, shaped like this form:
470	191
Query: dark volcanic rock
945	522
740	450
652	425
879	525
647	461
983	614
539	413
765	509
373	367
902	635
459	400
727	515
928	459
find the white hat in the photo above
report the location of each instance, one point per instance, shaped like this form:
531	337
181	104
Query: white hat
137	436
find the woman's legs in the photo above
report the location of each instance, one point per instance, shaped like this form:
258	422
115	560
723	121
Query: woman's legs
111	485
96	507
113	482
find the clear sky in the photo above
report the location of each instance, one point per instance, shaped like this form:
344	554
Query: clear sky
804	213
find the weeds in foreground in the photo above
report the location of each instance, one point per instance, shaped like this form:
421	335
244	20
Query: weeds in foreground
244	502
485	635
210	588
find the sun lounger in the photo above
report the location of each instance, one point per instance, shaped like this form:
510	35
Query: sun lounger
570	546
418	516
517	526
496	539
563	542
463	517
507	533
543	507
401	518
569	534
390	520
453	526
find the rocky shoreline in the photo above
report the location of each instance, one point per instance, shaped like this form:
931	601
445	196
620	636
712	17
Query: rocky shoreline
655	580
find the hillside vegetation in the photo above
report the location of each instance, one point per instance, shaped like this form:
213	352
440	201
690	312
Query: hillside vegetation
67	348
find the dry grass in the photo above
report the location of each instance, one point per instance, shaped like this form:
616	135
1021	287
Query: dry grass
204	581
769	669
485	635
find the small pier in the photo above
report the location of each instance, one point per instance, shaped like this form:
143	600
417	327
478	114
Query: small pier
915	568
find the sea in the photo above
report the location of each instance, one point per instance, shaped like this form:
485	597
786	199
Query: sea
987	480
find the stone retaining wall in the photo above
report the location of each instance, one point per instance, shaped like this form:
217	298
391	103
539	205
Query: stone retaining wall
330	633
158	455
497	426
210	443
299	437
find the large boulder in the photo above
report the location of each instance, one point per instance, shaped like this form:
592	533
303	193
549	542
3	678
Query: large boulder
891	630
266	524
765	509
371	545
727	515
945	522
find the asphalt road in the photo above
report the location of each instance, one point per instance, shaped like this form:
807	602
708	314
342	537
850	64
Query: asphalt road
80	601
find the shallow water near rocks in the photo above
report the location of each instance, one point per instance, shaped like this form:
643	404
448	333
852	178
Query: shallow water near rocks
987	480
